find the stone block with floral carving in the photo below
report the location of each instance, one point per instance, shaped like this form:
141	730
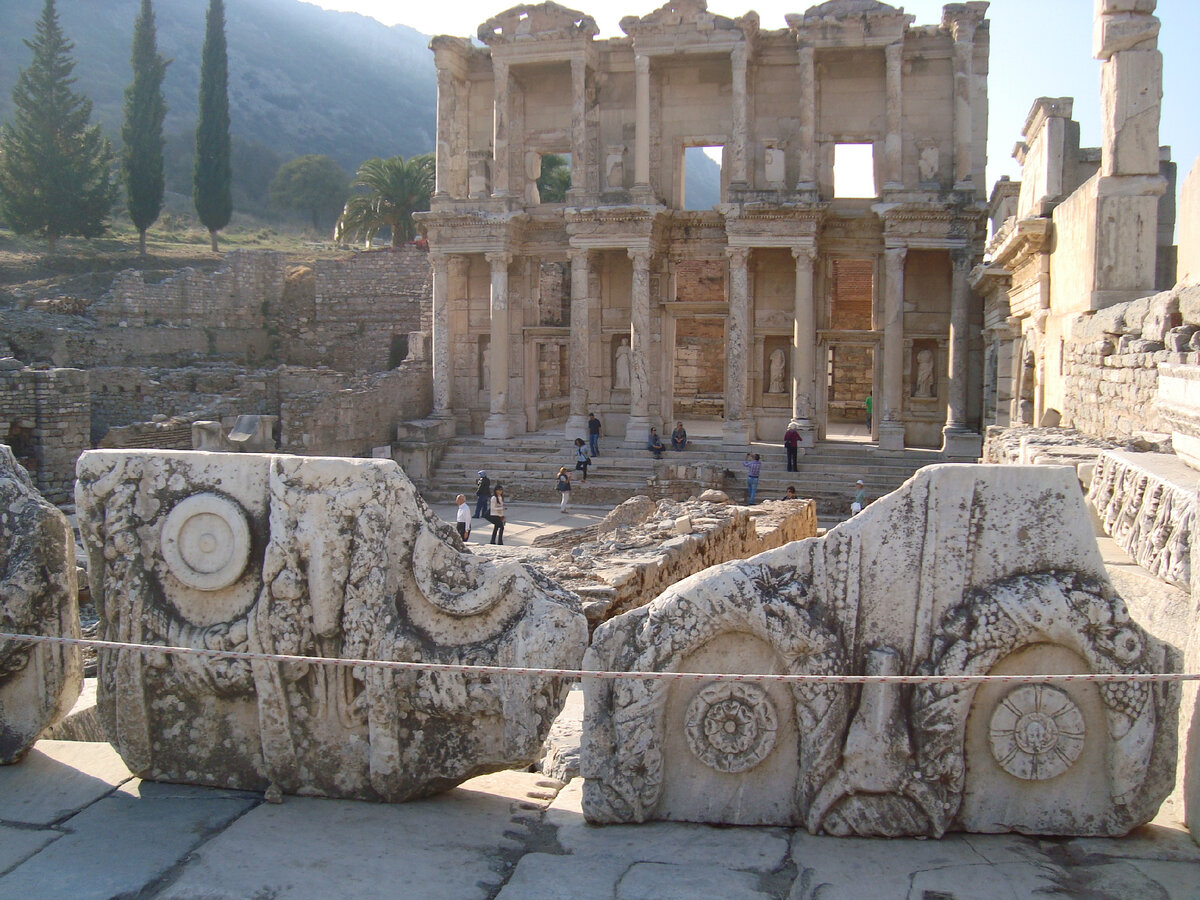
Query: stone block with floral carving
309	556
963	570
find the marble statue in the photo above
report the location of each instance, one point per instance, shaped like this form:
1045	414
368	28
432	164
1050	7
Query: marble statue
926	387
777	365
621	366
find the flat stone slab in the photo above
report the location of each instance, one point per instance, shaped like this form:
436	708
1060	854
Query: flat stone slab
57	779
125	841
454	845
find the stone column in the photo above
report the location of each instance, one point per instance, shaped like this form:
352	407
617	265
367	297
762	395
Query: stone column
891	424
738	430
500	122
641	155
580	342
498	424
578	130
958	441
441	336
446	106
804	347
637	429
741	105
808	121
962	27
893	143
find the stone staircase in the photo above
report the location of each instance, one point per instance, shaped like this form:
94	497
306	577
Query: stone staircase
527	465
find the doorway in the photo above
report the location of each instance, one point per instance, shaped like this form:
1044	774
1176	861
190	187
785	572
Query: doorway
849	379
698	369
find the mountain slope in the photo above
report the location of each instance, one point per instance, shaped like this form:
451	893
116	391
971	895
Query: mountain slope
302	79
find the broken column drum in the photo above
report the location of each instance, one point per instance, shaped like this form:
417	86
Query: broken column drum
964	570
38	683
314	557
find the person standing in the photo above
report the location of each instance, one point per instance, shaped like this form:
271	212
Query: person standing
594	434
564	488
791	444
582	460
869	405
463	519
483	493
753	466
496	515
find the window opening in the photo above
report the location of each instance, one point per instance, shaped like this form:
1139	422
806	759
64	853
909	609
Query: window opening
854	171
851	293
702	177
554	179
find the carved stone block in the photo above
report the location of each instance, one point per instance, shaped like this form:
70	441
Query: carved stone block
321	557
38	683
964	570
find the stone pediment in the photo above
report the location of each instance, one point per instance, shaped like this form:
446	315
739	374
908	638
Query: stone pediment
537	22
852	23
678	14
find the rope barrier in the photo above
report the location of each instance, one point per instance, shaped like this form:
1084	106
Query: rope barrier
1102	677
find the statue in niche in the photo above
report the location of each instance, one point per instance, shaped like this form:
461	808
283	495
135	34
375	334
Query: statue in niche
774	165
928	163
777	365
485	367
926	386
614	164
621	366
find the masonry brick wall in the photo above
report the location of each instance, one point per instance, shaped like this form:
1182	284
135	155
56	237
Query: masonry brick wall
46	413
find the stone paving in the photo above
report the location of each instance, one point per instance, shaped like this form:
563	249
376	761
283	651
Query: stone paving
74	823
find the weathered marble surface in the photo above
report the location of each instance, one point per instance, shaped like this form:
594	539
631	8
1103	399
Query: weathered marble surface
38	684
309	556
1147	503
965	569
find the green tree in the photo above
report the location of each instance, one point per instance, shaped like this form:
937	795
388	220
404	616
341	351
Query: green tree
555	180
55	169
212	177
387	193
142	133
314	184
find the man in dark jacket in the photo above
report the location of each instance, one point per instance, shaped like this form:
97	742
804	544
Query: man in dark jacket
483	494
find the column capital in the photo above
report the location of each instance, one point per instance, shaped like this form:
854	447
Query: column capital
578	255
641	64
739	56
641	256
895	256
438	258
498	257
962	260
458	262
739	256
802	251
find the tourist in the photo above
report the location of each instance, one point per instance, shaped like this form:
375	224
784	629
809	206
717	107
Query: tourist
594	434
860	498
483	491
582	460
868	403
655	444
496	515
678	437
791	444
753	465
564	488
791	493
463	518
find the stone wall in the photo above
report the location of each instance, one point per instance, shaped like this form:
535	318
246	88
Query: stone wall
1111	360
44	417
1188	271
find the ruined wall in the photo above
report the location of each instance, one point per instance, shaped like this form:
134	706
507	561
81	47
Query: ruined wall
1111	359
1188	271
356	418
44	418
361	312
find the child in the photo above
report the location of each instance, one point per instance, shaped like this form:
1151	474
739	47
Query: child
463	522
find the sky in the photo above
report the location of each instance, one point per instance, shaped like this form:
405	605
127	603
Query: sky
1040	48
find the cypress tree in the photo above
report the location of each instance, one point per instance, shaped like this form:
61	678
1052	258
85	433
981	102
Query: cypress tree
212	176
55	170
142	133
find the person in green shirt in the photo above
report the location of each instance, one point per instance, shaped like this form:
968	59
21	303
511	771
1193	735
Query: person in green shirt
868	412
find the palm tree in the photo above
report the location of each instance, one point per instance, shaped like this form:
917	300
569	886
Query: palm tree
387	193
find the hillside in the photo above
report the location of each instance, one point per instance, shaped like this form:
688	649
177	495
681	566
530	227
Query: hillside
302	79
